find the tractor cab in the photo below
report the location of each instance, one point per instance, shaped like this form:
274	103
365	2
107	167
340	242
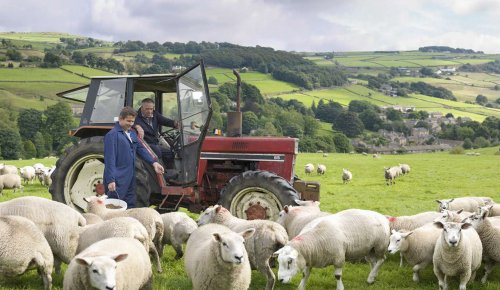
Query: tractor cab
183	97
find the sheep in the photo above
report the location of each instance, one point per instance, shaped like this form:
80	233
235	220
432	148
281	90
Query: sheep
308	168
269	236
294	218
405	168
27	173
452	216
346	176
9	181
92	218
325	154
466	203
39	167
412	222
321	169
416	246
216	258
347	235
458	251
24	247
58	222
114	263
390	174
493	209
178	226
307	203
490	238
46	174
149	218
6	169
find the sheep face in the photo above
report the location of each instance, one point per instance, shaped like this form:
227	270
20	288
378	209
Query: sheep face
232	246
206	217
396	241
444	204
289	262
102	270
452	232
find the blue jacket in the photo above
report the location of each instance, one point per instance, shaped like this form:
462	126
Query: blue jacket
119	158
151	132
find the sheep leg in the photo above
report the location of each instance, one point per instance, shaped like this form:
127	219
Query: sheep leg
154	255
57	265
374	271
338	277
265	269
488	267
178	250
305	276
464	279
416	270
44	271
401	260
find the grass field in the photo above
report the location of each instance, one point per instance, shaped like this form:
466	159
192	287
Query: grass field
433	176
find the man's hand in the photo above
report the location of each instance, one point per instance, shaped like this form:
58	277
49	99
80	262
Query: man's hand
158	168
176	124
140	131
112	186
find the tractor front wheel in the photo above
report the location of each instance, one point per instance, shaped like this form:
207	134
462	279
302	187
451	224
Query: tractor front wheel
257	195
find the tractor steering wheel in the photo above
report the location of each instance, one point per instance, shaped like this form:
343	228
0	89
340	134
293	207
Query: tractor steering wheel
172	137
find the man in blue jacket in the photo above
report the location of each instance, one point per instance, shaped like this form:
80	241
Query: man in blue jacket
120	148
148	124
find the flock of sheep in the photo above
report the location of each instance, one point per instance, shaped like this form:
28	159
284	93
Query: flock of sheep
118	249
390	173
12	178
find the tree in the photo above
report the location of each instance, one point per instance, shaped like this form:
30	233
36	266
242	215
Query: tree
342	143
59	121
449	115
481	100
371	120
11	144
78	57
52	60
358	106
14	55
29	123
310	126
213	80
467	143
481	142
39	143
268	130
393	115
426	71
250	122
349	124
29	149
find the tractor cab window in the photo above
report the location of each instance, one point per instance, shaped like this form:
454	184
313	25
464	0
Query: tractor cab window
194	107
109	101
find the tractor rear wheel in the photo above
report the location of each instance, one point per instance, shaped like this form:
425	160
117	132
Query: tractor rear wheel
79	173
257	195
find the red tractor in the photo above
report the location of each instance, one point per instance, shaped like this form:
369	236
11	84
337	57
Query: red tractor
254	177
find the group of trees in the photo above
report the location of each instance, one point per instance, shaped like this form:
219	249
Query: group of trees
32	133
473	133
446	49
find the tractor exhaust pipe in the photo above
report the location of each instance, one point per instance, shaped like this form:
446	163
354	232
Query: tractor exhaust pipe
235	119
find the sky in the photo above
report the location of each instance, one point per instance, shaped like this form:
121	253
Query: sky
291	25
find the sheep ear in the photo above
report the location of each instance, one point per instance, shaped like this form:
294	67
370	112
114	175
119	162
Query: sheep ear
277	253
393	231
217	237
218	208
439	224
119	257
451	200
299	202
405	235
286	208
248	233
484	214
465	226
87	199
460	211
438	201
84	261
317	203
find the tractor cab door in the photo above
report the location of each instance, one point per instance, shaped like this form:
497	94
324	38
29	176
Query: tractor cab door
195	110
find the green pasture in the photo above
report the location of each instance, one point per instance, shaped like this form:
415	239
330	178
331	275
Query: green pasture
24	102
39	74
52	37
176	55
433	176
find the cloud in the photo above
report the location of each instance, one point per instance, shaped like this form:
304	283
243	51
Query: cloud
314	25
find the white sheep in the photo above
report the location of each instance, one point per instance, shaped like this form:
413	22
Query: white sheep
27	173
347	235
390	174
321	169
452	216
6	169
23	247
39	167
413	221
490	238
346	176
216	258
325	154
295	218
417	246
405	168
468	203
149	217
458	252
59	223
46	175
178	226
10	181
125	227
314	203
493	209
114	263
308	168
269	236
